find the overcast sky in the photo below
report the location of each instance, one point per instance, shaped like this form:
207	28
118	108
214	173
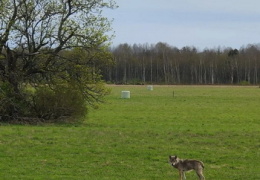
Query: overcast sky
199	23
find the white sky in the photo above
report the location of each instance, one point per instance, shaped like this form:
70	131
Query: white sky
199	23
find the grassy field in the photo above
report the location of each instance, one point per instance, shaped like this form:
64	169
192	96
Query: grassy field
132	138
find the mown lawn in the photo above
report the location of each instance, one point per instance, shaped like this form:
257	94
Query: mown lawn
132	138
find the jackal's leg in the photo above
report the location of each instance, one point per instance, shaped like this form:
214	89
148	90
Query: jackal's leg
180	174
200	174
183	173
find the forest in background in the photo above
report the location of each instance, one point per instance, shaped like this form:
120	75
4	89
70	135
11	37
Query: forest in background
165	64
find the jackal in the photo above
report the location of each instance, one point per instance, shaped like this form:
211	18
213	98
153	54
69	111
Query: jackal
187	164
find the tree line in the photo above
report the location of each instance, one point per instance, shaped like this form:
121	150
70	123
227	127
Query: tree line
165	64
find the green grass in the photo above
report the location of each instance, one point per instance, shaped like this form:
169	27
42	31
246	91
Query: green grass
132	138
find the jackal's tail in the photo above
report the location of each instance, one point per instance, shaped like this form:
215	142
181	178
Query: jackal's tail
202	165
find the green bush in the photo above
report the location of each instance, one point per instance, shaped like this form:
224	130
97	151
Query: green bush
6	102
12	104
58	102
44	103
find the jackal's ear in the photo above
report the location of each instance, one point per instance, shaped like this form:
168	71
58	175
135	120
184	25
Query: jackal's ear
175	156
170	156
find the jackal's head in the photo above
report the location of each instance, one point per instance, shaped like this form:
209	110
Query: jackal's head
173	160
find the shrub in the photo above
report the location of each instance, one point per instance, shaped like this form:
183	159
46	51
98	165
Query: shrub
56	103
60	101
66	101
12	104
